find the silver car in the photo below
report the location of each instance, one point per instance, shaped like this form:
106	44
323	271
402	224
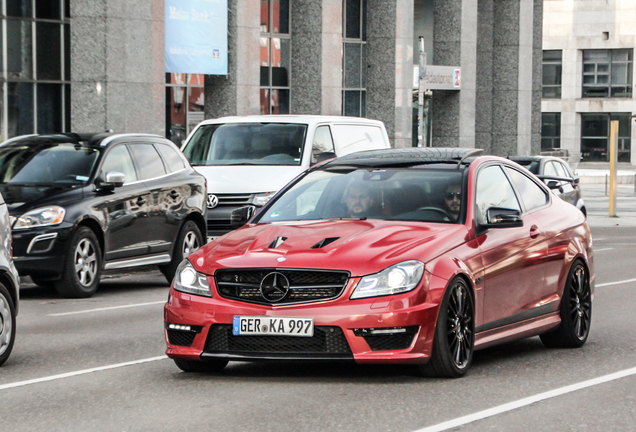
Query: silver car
557	175
9	286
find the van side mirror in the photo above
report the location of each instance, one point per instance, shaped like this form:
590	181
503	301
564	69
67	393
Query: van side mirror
499	217
111	180
241	216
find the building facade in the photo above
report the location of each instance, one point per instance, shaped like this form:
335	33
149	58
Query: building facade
588	77
91	65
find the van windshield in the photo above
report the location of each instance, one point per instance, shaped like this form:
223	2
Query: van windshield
247	144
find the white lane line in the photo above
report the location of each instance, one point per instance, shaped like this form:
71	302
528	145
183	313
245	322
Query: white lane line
80	372
615	283
604	249
107	308
526	401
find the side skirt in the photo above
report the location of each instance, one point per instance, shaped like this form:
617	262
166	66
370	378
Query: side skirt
518	330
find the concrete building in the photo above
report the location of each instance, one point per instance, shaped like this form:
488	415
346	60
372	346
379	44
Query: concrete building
588	77
90	65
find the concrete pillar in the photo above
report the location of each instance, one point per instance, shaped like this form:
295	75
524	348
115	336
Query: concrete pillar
484	103
238	92
390	67
116	84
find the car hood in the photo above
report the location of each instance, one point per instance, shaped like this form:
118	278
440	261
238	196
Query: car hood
21	198
360	247
248	178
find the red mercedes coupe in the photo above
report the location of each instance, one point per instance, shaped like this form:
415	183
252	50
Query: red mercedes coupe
412	256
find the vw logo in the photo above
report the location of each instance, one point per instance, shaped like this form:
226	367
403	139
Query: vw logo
274	287
213	201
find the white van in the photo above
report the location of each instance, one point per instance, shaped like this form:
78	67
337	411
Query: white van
246	160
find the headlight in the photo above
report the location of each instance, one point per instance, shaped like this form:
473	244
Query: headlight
262	198
396	279
190	281
40	217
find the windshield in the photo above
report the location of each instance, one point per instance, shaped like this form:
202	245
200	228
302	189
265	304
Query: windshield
46	163
247	144
530	165
409	194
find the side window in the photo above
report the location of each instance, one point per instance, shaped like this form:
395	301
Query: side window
118	159
532	195
171	157
549	169
148	161
494	190
561	172
323	143
354	138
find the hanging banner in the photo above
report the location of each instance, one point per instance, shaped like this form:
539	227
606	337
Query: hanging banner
196	36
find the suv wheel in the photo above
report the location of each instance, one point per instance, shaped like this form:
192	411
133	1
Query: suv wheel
82	266
189	240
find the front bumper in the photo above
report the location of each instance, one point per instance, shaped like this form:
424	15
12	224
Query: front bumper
343	326
41	251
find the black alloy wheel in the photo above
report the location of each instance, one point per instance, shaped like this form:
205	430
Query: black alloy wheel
209	366
454	334
188	241
82	266
7	324
576	311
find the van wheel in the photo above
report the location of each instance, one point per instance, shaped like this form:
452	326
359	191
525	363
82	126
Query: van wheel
82	266
188	241
7	324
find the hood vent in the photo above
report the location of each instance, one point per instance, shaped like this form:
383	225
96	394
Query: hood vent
277	242
324	242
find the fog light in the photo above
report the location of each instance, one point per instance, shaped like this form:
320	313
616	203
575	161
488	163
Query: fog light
184	328
385	331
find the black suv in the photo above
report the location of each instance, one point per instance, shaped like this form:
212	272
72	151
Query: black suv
80	203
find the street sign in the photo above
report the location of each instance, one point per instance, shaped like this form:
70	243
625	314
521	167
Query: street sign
440	78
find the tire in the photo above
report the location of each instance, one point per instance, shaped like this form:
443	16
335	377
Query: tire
82	266
201	366
454	341
188	240
7	324
576	311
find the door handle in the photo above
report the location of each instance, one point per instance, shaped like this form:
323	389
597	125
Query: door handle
174	194
534	231
141	201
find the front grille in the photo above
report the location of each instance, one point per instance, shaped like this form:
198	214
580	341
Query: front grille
304	285
234	199
222	225
181	338
326	340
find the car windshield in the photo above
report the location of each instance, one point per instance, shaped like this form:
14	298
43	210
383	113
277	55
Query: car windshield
247	144
46	163
407	194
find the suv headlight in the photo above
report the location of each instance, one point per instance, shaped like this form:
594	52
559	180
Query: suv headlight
398	278
262	198
190	281
44	216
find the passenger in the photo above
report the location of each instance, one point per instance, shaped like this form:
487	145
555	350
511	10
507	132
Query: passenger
453	200
359	200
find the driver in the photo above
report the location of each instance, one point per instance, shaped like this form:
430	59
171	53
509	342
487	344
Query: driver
453	199
359	200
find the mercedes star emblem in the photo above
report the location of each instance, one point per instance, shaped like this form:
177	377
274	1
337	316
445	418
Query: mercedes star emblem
213	201
274	287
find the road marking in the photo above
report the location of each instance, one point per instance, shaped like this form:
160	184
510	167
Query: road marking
615	283
80	372
526	401
107	308
604	249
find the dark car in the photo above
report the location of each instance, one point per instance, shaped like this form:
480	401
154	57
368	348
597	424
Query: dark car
81	203
556	173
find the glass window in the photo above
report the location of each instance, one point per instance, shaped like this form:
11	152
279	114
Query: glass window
19	49
494	190
549	169
550	131
323	143
595	136
49	52
147	160
185	104
171	157
20	8
20	109
354	59
118	160
275	57
532	195
48	9
607	73
552	68
49	101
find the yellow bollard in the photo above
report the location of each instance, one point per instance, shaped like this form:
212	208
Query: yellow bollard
613	159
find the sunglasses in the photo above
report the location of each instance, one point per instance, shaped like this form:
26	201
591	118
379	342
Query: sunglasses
451	195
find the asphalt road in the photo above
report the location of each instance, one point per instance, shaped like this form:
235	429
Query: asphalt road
50	382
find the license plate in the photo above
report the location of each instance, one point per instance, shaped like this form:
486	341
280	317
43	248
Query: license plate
272	326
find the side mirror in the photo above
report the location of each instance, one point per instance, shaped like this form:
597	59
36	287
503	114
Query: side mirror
240	216
553	184
499	217
114	178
